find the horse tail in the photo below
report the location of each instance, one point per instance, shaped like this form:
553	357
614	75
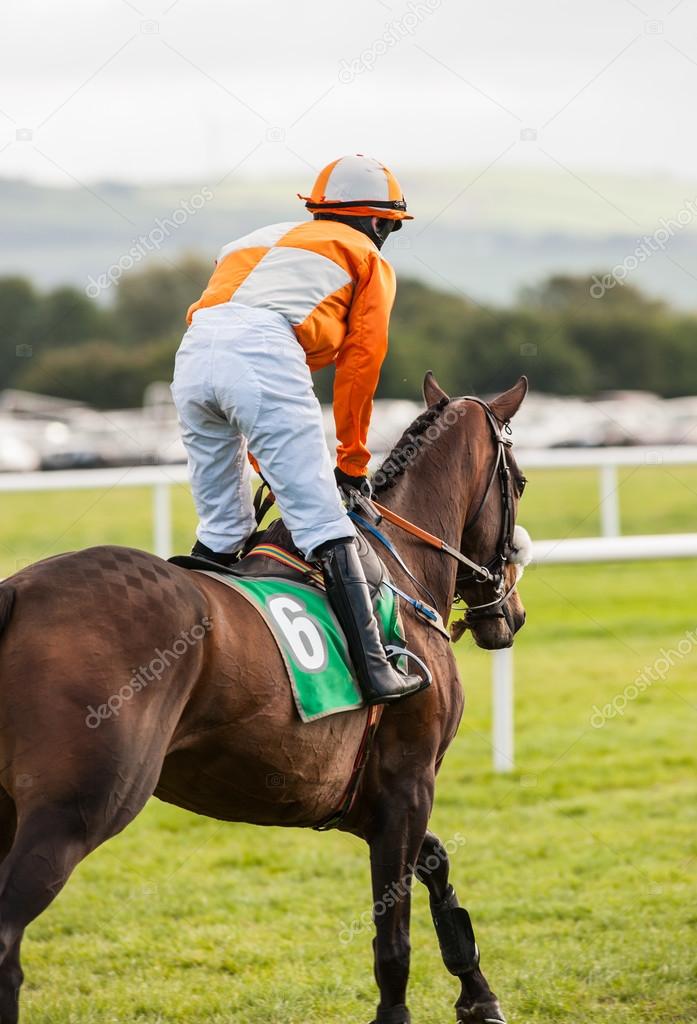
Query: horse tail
7	601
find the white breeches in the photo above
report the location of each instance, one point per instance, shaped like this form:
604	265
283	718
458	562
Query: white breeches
241	378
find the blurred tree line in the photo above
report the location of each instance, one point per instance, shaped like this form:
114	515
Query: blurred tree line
106	353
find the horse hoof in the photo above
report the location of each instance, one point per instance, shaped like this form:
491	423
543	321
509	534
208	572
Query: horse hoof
480	1013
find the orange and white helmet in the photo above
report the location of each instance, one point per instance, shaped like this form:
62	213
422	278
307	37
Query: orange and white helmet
357	186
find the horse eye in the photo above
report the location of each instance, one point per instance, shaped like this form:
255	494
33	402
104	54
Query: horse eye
521	481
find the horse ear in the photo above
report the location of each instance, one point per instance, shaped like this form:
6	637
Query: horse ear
433	392
507	404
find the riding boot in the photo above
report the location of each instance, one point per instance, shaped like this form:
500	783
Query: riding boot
349	597
202	551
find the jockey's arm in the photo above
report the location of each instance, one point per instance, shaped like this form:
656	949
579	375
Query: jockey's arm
359	361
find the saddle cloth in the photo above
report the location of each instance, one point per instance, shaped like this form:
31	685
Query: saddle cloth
289	595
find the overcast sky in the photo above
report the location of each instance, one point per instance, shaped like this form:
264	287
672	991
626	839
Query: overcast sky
147	90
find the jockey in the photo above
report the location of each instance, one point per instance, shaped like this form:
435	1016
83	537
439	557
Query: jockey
283	301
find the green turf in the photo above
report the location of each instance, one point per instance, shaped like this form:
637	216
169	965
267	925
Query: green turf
579	868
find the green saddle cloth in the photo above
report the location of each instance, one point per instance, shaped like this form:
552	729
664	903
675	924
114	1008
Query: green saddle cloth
311	641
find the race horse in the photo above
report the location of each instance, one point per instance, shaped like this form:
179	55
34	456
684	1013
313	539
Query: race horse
221	721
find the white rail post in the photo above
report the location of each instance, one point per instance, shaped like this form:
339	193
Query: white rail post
609	501
162	519
502	710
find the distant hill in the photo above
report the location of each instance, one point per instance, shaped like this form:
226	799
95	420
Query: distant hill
485	236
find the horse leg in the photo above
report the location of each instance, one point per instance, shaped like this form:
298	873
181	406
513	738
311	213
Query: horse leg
53	834
8	823
11	972
11	978
477	1004
393	852
48	845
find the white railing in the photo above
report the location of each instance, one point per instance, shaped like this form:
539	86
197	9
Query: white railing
607	461
159	478
570	551
610	547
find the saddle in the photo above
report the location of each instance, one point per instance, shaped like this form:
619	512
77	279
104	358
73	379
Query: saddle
273	554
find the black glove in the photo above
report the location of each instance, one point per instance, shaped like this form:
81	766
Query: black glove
348	483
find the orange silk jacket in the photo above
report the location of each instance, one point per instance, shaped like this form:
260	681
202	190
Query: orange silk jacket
337	292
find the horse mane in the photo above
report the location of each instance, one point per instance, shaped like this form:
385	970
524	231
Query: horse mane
406	449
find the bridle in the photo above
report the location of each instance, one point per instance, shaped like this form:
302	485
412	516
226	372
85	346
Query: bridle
493	571
496	566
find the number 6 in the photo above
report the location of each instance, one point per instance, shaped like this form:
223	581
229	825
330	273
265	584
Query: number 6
302	634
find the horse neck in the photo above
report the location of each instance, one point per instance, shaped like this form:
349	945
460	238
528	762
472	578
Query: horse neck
435	493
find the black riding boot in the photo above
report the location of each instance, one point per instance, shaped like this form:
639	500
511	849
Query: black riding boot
221	558
349	597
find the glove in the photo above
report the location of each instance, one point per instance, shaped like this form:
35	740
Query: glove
348	483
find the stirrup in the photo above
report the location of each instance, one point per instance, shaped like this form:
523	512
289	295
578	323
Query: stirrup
393	651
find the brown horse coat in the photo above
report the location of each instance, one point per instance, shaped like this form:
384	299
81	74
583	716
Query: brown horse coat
122	676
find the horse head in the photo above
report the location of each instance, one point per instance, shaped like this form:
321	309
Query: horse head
489	538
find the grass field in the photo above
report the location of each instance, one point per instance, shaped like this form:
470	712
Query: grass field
579	868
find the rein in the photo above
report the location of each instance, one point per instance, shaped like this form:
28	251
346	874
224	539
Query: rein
433	541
